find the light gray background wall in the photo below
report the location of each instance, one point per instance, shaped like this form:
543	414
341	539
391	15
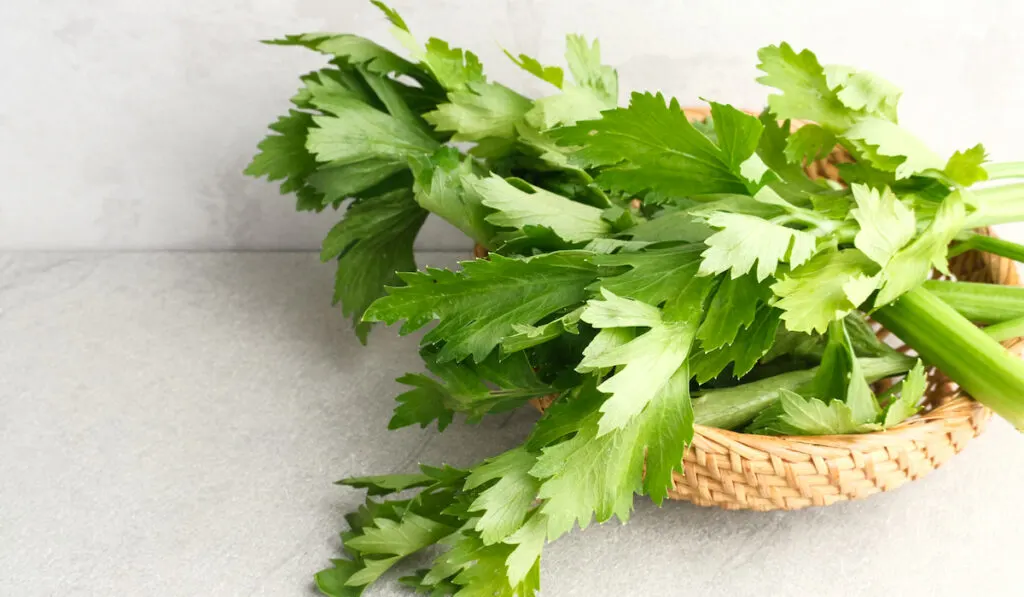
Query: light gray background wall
125	124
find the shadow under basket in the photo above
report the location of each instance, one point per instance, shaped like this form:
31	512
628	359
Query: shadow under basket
739	471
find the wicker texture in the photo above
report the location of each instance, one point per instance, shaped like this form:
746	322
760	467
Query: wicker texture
739	471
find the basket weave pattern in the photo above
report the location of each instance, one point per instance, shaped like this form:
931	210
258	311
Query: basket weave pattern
738	471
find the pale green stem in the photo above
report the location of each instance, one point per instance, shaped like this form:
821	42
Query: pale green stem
1002	170
1006	330
966	354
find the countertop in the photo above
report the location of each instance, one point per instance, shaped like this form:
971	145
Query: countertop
172	423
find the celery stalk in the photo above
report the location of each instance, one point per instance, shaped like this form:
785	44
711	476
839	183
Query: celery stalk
989	244
980	303
728	408
996	205
946	339
1013	328
1000	170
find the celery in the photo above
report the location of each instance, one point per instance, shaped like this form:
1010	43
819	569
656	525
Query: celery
1007	330
728	408
1002	170
980	303
945	338
996	205
989	244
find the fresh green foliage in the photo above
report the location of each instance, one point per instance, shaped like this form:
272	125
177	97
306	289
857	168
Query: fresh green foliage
742	240
646	363
482	111
653	146
517	208
812	416
826	288
371	244
908	403
284	157
646	273
471	388
440	187
886	225
480	306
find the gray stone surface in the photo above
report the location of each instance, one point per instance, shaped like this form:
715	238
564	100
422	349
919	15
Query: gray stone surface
125	124
171	425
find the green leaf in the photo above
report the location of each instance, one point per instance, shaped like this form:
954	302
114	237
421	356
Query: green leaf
743	240
614	312
886	224
354	49
771	148
390	93
506	503
372	569
372	243
441	588
480	306
806	94
409	535
533	142
863	91
732	308
589	475
427	402
736	132
359	132
908	404
472	388
337	183
388	484
569	107
840	377
750	344
665	431
529	542
594	476
671	224
646	363
551	74
440	187
584	60
470	568
484	575
965	167
562	418
454	68
811	416
828	287
666	277
284	157
335	90
912	265
392	15
341	82
333	582
480	111
652	146
892	148
809	143
528	336
831	379
516	208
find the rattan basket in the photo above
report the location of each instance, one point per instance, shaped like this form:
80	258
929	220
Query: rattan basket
739	471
